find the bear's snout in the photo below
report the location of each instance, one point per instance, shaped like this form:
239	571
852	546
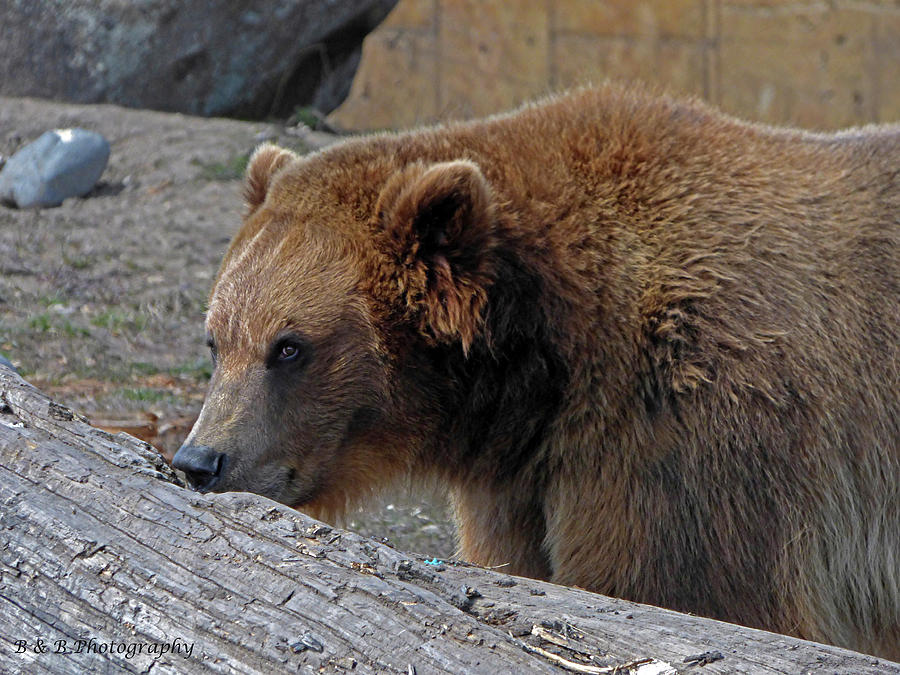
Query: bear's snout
203	465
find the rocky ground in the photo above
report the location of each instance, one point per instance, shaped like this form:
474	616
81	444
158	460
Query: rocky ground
102	299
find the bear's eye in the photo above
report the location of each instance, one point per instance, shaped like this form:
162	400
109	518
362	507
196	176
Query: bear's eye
288	352
213	352
288	349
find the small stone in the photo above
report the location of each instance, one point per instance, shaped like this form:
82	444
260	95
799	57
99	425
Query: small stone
60	164
266	136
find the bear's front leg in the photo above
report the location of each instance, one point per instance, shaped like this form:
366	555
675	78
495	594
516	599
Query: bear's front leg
502	528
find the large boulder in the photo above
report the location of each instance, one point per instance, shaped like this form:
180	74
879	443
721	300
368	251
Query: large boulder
205	57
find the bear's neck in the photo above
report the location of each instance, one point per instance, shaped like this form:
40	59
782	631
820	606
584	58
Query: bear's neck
508	389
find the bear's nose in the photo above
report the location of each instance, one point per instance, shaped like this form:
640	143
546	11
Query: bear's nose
203	465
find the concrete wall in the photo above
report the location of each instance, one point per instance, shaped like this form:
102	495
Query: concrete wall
816	64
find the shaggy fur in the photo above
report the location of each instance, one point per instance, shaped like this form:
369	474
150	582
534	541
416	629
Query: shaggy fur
653	350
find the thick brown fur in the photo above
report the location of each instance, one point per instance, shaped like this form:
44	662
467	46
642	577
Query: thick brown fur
653	350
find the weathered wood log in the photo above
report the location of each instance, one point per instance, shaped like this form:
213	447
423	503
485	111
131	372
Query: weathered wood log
107	563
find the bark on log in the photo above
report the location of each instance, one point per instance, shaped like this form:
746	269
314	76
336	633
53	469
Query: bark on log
100	542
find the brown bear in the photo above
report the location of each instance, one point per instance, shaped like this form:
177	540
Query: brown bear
652	350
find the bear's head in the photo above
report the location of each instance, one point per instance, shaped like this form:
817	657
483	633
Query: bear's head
334	307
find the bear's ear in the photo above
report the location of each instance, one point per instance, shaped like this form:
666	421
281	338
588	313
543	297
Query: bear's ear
265	162
438	227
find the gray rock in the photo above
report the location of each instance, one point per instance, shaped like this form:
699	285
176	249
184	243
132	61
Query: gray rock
5	362
206	57
60	164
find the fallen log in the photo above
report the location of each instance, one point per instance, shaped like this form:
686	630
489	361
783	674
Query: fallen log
107	563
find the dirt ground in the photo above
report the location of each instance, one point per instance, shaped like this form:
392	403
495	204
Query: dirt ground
102	299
